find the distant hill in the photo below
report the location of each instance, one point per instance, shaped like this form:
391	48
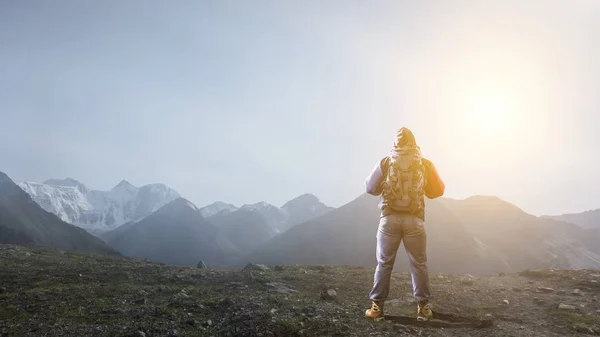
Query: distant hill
115	233
476	235
522	239
587	219
24	222
275	216
98	211
303	208
243	229
179	234
176	234
346	236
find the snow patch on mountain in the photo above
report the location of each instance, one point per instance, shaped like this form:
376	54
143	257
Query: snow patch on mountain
98	211
192	206
68	182
217	208
295	211
123	191
275	216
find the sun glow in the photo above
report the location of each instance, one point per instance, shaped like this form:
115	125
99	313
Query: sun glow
491	112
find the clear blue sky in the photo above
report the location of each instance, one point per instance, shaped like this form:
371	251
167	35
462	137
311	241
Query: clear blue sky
243	101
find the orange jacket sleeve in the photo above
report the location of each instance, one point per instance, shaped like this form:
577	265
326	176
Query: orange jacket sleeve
435	186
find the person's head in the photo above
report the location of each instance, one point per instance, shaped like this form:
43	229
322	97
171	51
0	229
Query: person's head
404	137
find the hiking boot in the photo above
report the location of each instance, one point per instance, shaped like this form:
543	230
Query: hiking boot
375	313
424	312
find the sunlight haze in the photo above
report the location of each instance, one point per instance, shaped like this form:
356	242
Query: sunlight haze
266	100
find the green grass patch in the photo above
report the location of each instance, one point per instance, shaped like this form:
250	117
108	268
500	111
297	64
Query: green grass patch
287	327
575	318
537	274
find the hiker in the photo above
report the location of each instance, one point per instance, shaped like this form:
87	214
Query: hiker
402	180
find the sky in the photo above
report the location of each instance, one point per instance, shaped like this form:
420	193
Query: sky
247	101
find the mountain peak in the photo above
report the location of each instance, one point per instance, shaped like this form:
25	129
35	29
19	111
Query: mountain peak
4	177
491	200
487	198
7	186
179	204
98	210
261	205
67	182
124	183
63	182
304	199
216	208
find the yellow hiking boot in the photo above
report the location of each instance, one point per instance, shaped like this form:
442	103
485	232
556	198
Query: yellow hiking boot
375	313
424	312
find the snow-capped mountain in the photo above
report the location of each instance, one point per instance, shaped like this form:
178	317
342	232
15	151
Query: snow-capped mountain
216	208
275	216
23	222
98	211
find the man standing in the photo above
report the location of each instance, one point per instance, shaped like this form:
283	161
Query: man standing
403	179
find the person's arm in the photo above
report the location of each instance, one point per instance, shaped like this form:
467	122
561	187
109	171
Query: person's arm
373	181
435	186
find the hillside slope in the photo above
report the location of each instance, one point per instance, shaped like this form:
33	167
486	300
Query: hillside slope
524	240
176	234
346	236
46	293
242	229
588	219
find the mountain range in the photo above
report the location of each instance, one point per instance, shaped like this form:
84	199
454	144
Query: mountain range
477	235
346	236
98	211
24	222
588	219
179	233
293	212
524	240
176	234
154	222
102	211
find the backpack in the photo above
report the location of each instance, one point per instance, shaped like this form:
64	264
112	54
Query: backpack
405	183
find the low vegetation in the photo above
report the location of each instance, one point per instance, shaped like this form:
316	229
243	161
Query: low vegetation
57	293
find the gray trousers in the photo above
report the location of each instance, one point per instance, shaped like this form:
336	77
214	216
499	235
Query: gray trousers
393	229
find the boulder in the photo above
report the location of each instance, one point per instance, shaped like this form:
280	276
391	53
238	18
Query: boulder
328	295
566	307
255	267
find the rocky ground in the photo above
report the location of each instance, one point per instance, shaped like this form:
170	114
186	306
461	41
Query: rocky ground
55	293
